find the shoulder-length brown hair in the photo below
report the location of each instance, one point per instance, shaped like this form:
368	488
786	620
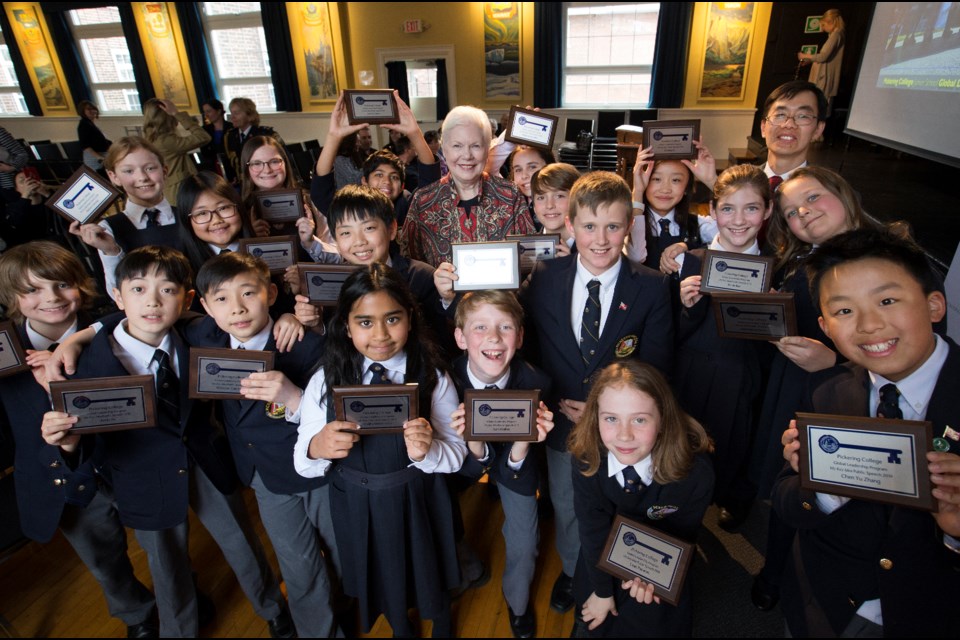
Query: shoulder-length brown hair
291	181
679	438
787	245
44	260
156	121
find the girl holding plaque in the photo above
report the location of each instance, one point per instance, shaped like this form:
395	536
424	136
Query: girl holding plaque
720	379
266	167
813	205
640	456
392	516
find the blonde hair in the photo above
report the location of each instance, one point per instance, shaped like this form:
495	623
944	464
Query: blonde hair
556	176
504	301
156	121
45	260
124	147
679	439
249	107
599	187
834	14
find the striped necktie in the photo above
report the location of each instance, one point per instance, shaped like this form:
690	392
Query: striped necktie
590	324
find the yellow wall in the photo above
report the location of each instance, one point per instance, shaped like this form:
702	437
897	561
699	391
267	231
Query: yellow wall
379	24
691	96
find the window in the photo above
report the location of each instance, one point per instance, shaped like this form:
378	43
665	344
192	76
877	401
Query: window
422	83
608	54
11	100
106	56
239	47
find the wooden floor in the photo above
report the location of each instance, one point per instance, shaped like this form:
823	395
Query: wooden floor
45	591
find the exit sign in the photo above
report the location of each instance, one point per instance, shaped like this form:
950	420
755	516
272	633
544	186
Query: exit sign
413	26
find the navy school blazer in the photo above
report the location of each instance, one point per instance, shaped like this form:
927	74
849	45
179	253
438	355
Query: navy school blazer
44	482
260	438
639	325
840	553
149	468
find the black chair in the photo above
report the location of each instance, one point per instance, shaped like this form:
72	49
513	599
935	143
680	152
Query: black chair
73	150
303	163
47	151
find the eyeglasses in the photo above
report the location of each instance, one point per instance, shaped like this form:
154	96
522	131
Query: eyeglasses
257	166
799	119
224	212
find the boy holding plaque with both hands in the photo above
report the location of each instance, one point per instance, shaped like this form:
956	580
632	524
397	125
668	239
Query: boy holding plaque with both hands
862	568
490	330
157	473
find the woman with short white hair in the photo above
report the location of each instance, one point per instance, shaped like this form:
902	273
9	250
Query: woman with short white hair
467	205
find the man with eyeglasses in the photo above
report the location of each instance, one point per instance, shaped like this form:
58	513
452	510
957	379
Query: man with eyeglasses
794	115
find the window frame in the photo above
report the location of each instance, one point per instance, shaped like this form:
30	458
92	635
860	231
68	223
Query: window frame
227	21
599	69
14	89
82	32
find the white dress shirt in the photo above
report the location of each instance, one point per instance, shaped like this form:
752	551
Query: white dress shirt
608	282
137	357
42	343
447	450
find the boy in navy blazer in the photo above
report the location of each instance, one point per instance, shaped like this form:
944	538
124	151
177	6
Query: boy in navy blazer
45	289
157	473
585	311
235	289
865	568
490	330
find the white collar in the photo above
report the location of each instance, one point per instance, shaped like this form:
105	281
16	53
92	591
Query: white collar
41	342
607	279
135	211
233	246
644	468
141	351
397	363
752	250
257	342
768	170
656	217
477	383
917	388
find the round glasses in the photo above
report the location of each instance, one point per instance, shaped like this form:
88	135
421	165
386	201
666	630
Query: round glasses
256	166
799	119
224	212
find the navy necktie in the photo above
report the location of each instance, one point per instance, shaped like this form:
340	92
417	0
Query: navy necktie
168	387
631	480
666	238
590	324
889	406
379	374
153	218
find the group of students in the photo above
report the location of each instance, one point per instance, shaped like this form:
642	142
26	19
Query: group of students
646	411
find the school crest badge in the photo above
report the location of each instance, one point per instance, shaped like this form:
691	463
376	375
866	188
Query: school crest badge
659	512
275	410
626	346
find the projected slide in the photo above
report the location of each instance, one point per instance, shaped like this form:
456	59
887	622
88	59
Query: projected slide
922	49
907	93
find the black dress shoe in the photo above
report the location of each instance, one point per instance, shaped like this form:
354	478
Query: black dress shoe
561	597
731	519
282	626
146	629
765	596
475	583
523	626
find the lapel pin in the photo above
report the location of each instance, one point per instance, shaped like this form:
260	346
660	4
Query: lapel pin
623	306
